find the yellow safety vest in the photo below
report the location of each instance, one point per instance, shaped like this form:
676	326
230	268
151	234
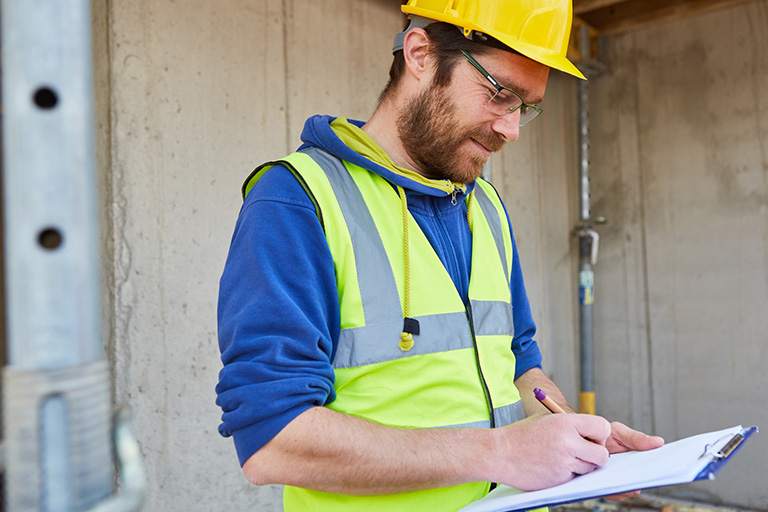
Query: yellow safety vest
460	370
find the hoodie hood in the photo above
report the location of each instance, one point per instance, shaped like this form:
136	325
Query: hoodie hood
327	132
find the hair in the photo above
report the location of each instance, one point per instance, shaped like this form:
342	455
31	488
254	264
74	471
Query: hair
446	43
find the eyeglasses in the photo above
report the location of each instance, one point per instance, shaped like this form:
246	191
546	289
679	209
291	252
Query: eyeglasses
506	100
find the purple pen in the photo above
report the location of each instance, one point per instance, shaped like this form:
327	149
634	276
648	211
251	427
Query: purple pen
547	402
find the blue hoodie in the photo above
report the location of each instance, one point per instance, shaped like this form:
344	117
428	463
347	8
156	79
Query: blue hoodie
278	312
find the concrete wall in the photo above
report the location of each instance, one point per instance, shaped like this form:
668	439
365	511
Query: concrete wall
194	94
680	160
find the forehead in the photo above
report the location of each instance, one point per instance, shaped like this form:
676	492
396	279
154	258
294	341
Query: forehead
519	73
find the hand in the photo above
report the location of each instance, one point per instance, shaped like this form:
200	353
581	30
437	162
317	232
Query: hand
624	439
549	449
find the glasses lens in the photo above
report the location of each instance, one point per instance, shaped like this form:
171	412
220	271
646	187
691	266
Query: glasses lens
528	114
505	101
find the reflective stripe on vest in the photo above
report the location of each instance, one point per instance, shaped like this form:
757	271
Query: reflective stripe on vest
466	348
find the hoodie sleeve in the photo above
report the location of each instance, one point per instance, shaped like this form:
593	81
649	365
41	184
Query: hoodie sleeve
527	353
278	315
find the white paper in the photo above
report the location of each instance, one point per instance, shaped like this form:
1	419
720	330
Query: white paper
673	463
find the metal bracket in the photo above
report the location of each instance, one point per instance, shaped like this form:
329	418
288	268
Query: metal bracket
132	479
131	475
584	230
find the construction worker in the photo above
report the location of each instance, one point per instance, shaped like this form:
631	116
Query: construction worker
375	331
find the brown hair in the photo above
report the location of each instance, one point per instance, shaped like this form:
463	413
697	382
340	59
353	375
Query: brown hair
446	43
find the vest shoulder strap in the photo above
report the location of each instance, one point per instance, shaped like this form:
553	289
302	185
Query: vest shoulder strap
491	204
308	156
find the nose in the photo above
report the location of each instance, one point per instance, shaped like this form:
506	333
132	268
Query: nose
508	126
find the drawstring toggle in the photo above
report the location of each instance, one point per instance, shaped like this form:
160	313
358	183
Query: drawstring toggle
410	327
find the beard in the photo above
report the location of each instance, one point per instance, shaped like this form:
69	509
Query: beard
432	135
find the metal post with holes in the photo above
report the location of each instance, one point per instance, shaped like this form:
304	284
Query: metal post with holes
56	403
588	237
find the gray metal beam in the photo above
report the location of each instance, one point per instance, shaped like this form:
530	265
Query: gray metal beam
56	385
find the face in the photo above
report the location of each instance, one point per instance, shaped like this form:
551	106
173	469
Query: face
436	138
450	132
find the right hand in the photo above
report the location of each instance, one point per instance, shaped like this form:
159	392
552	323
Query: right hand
549	449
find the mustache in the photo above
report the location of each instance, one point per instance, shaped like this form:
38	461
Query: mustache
491	140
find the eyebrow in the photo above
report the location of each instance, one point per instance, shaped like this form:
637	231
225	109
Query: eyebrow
521	91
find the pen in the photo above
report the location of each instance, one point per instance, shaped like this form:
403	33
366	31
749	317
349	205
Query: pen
547	402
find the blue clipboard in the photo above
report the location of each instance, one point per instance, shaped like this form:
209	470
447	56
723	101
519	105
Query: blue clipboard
723	455
716	447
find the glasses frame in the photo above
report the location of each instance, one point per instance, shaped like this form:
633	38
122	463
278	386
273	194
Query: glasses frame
525	117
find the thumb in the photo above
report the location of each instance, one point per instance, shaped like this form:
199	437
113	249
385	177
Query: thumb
625	439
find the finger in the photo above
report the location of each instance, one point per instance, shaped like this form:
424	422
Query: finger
594	428
580	467
624	439
592	453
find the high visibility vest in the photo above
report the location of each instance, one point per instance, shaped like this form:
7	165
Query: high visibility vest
460	370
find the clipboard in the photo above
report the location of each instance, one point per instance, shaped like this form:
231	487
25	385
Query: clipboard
694	458
724	454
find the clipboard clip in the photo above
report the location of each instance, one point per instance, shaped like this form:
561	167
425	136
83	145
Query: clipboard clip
726	450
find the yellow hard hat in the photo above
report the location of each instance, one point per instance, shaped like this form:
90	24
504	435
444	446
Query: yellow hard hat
539	29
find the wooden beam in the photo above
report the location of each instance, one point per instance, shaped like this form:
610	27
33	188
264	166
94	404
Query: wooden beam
582	6
634	14
575	53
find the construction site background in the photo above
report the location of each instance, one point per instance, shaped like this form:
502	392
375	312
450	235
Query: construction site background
191	96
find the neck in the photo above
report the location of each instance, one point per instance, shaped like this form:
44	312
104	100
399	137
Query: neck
382	128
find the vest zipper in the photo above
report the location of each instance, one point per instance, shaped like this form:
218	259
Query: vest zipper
486	392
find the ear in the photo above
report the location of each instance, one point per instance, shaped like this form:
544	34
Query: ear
416	53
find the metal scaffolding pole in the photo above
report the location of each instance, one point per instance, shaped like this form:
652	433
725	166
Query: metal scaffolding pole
56	401
588	237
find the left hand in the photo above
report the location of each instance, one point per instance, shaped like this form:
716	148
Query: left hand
624	439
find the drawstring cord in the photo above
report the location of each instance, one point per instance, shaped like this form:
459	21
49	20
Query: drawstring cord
470	202
411	325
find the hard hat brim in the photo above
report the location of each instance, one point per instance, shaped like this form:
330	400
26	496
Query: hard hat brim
550	59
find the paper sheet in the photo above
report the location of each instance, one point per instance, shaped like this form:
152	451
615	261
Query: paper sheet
673	463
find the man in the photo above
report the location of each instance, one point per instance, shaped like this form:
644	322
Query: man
375	331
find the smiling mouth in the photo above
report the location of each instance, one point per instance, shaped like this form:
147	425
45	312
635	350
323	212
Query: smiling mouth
484	149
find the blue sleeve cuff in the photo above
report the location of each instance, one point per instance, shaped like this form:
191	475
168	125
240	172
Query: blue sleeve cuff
527	359
250	439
